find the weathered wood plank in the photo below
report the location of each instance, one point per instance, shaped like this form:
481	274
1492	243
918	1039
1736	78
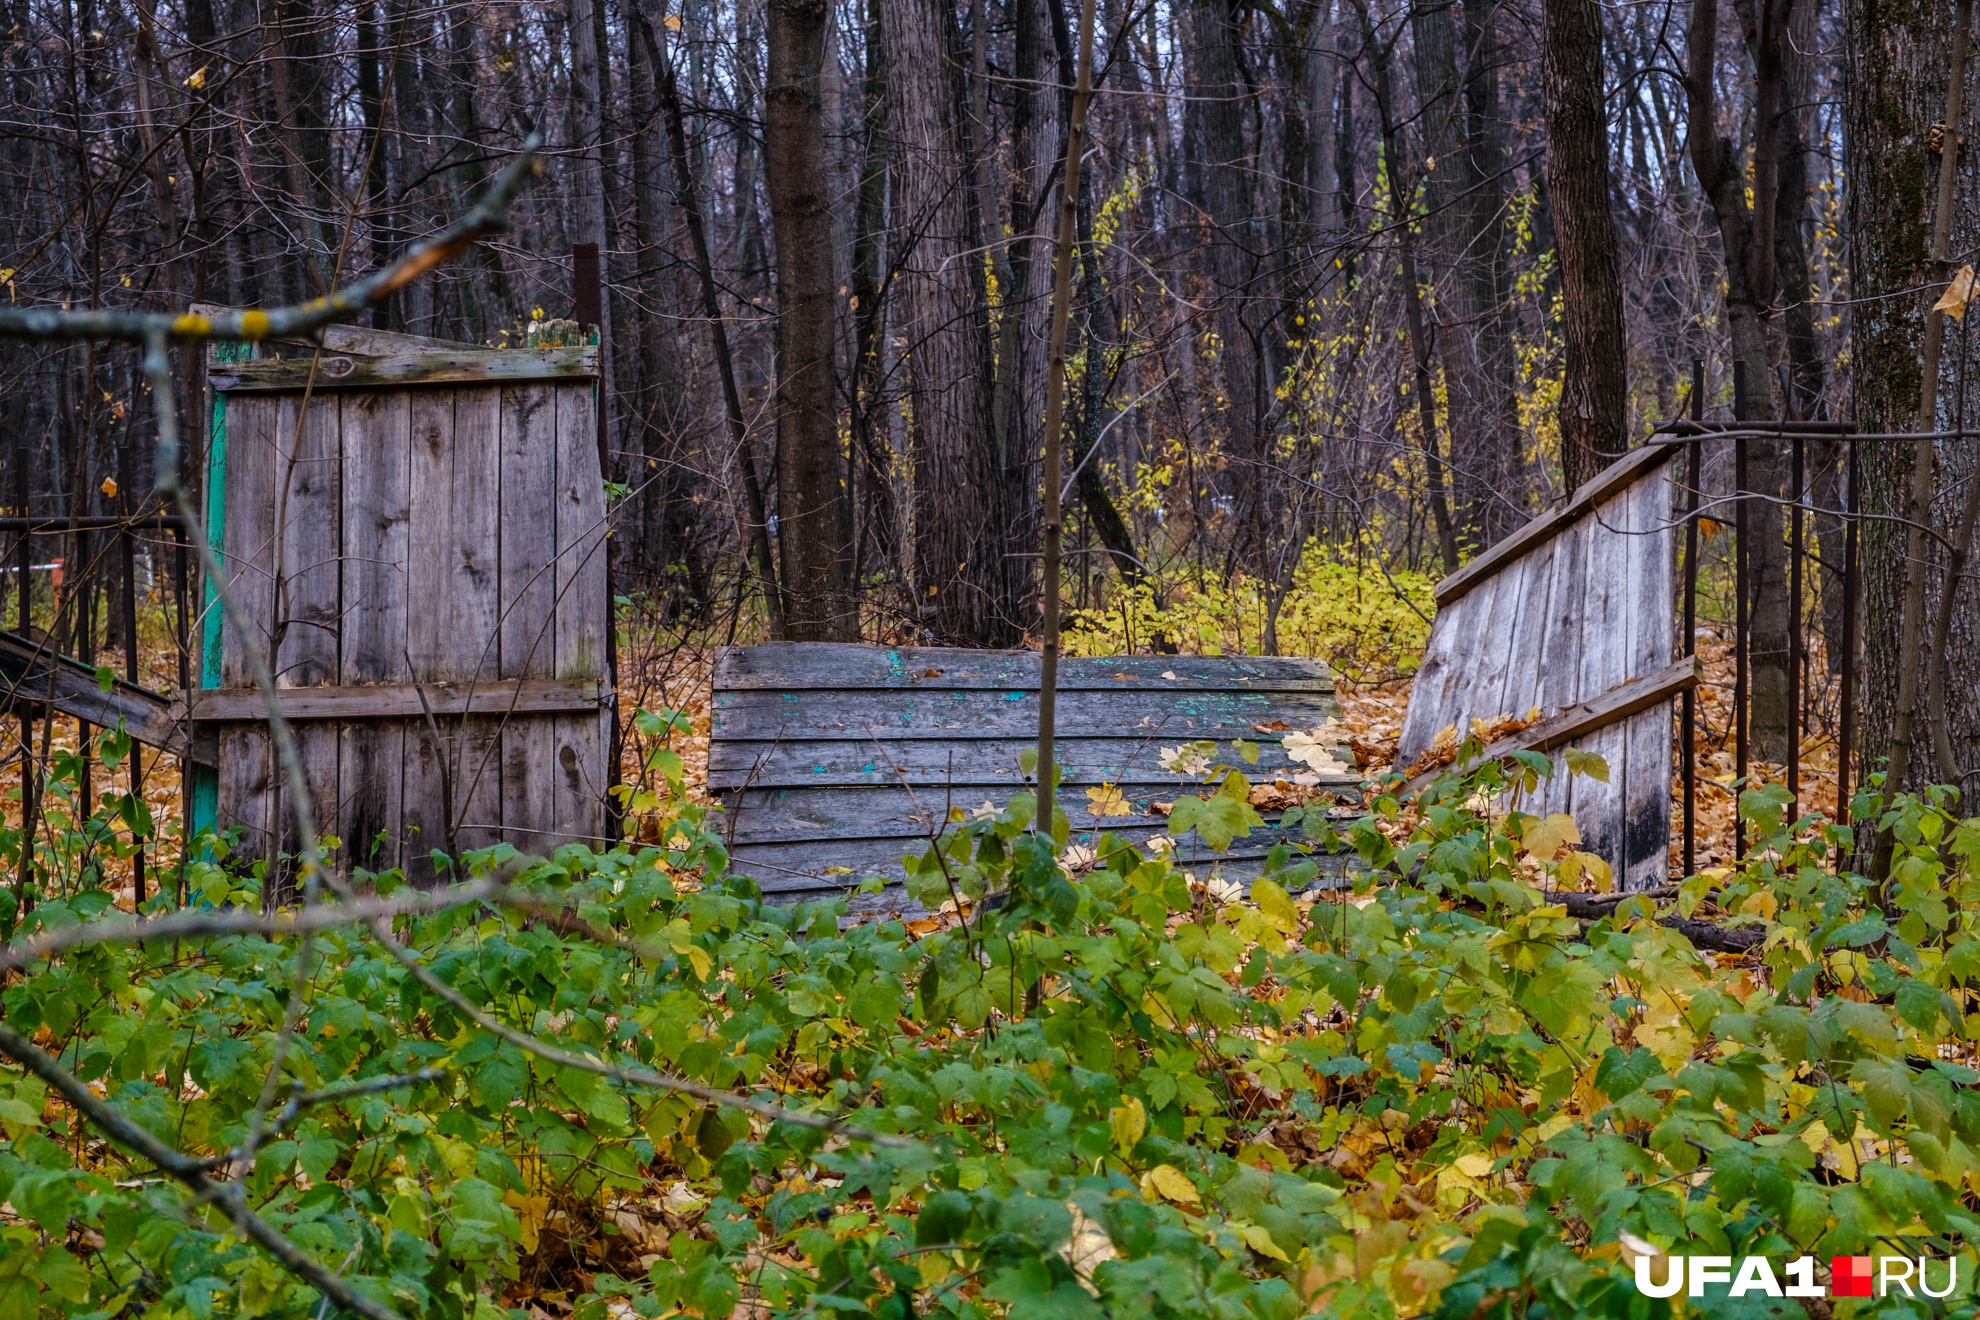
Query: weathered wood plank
1579	721
370	774
1646	841
477	769
783	666
1559	681
249	534
578	796
432	563
1596	805
247	789
475	496
529	608
1494	650
583	612
1655	612
529	530
317	756
377	499
1449	689
1618	476
1521	693
1605	601
488	696
309	544
893	811
1165	717
793	870
1082	761
425	777
1431	682
345	370
377	515
29	672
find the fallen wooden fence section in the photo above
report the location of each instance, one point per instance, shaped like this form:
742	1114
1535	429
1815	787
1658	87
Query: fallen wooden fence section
841	756
1572	616
32	674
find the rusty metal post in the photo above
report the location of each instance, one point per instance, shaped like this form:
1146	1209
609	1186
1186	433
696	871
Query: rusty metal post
1795	648
24	587
1739	610
588	308
1847	697
127	551
1688	707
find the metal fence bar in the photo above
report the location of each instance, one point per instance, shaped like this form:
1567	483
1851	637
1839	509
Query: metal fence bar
1688	718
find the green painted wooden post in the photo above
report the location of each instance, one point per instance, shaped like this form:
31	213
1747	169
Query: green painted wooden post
204	808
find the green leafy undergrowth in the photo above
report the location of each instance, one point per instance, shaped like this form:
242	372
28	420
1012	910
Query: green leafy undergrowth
1435	1092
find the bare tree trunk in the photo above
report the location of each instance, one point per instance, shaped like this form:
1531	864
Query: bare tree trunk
1225	171
969	579
816	558
1746	236
1595	388
1440	120
1483	270
755	523
869	299
669	553
1419	347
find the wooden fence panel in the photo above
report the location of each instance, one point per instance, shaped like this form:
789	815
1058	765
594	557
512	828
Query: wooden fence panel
1575	607
432	533
851	756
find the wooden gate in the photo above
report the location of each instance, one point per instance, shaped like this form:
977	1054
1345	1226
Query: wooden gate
416	532
1572	616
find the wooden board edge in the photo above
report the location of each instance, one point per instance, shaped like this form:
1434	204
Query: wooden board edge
401	700
438	367
1618	703
1617	476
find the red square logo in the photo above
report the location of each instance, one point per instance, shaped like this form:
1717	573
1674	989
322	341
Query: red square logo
1851	1276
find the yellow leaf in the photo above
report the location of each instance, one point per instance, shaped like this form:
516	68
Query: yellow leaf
1587	763
1275	905
702	963
1958	295
1129	1119
1578	864
109	486
673	22
531	1211
1261	1242
1168	1182
1546	837
1475	1165
1107	800
198	79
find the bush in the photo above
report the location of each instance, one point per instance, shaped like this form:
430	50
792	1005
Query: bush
1435	1091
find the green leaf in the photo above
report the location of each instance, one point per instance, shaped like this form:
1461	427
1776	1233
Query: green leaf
1886	1087
943	1218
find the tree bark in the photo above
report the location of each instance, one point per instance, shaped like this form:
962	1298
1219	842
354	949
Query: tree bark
970	580
1595	387
1419	347
814	551
1895	88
